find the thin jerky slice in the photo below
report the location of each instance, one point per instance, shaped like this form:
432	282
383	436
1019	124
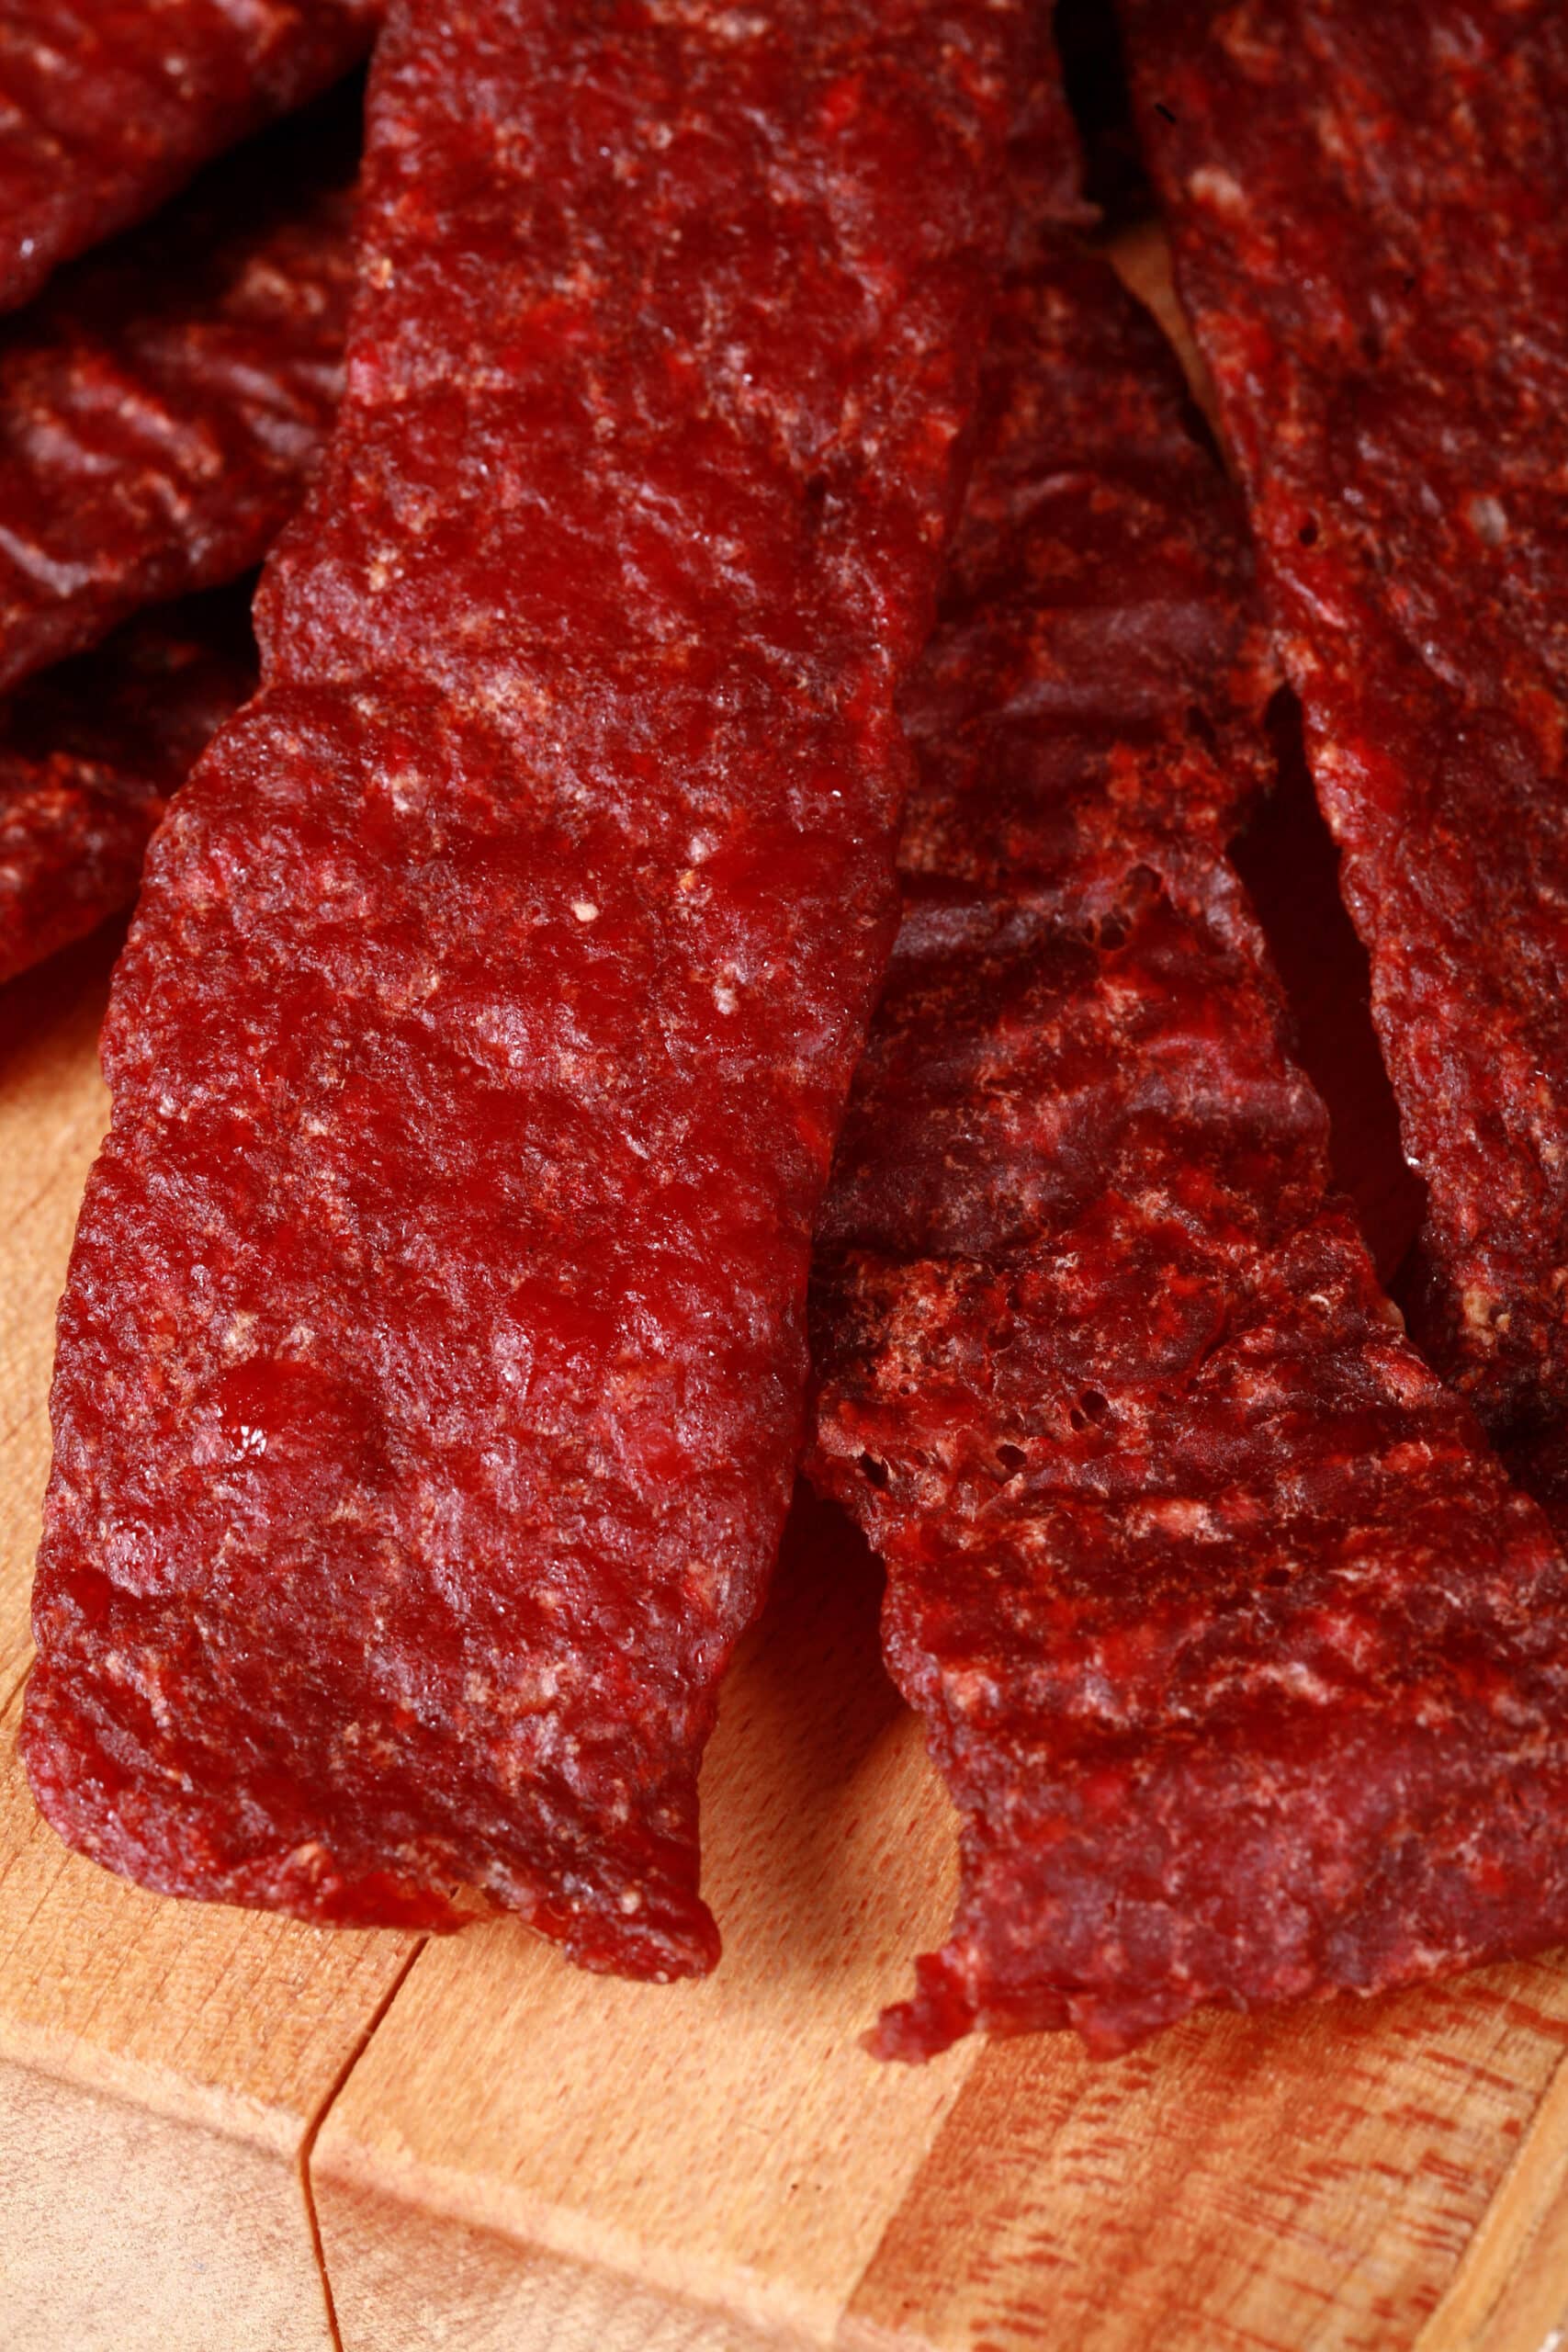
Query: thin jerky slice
433	1362
89	757
1245	1667
107	106
1367	206
162	407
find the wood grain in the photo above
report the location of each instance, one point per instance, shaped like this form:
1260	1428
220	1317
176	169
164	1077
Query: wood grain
54	1110
1243	2184
407	2281
507	2157
729	2141
161	2065
123	2231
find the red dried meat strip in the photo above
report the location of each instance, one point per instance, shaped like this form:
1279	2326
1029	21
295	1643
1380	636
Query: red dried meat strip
162	407
107	106
1367	206
433	1362
89	756
1244	1666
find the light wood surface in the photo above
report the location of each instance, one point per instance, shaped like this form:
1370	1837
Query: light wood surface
124	2230
502	2155
161	2065
729	2141
53	1108
208	2119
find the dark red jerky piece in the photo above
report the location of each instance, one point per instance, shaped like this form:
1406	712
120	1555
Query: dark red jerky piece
1244	1666
162	407
89	756
433	1362
108	107
1368	206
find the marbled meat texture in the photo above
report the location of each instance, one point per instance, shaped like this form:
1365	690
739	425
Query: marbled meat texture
1369	208
161	406
107	106
432	1364
1247	1669
90	754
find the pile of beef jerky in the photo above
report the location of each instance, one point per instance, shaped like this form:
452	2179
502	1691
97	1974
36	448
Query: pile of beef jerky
715	946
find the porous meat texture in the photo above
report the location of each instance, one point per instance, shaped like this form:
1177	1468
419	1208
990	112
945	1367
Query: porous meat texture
108	107
432	1366
162	407
1367	206
1244	1666
89	756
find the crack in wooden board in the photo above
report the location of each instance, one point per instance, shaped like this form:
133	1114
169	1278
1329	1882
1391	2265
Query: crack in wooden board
722	2160
239	2022
703	2138
312	2129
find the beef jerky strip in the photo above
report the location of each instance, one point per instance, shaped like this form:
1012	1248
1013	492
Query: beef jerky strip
107	106
89	756
1367	206
161	407
433	1363
1244	1666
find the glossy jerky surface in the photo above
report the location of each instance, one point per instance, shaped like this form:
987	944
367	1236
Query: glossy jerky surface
1242	1663
107	106
161	406
1368	206
432	1361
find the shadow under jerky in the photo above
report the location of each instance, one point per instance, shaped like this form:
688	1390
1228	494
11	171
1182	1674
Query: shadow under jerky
108	107
432	1366
162	407
1244	1666
1367	208
90	754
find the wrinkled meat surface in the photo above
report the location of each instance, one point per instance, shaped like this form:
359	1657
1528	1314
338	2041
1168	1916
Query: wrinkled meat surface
1368	208
160	408
1242	1663
107	106
433	1363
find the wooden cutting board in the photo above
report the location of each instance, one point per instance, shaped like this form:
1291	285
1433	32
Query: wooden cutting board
220	2132
203	2112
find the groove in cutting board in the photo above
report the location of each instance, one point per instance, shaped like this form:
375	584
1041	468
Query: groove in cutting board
1311	2180
307	2143
709	2139
1510	2293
